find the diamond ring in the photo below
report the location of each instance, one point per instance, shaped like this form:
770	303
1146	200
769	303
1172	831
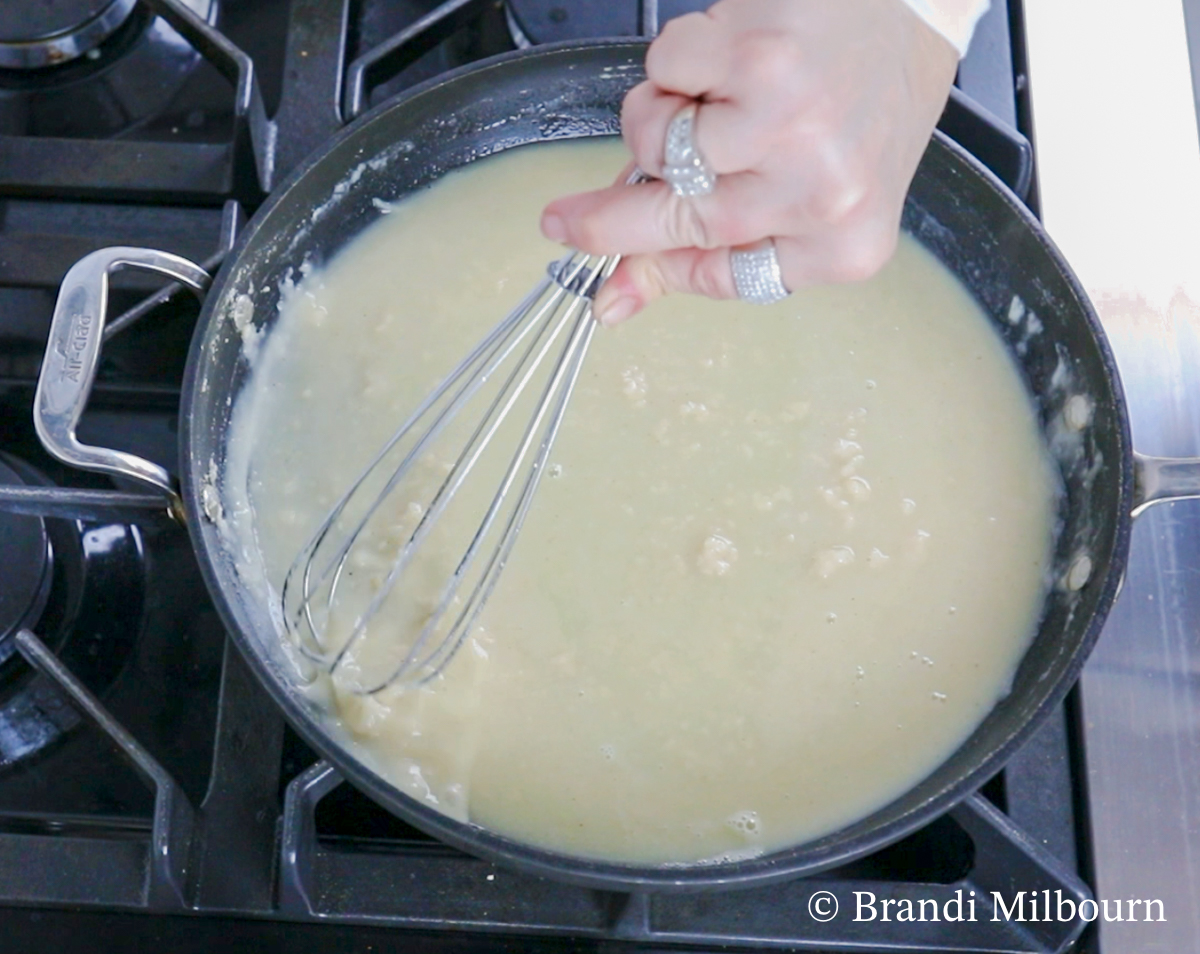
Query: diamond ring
756	273
683	166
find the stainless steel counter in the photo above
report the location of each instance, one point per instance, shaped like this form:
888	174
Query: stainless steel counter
1141	688
1119	167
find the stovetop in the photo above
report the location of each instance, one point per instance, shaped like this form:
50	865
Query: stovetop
149	790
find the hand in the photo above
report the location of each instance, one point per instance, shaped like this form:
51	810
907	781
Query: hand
814	114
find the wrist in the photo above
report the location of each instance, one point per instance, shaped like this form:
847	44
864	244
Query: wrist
954	20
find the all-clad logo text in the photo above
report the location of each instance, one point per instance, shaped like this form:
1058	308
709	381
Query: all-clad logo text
72	344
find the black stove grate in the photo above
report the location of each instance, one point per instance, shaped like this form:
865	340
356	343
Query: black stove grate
160	169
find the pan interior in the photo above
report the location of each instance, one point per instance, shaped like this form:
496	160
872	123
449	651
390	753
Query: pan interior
954	210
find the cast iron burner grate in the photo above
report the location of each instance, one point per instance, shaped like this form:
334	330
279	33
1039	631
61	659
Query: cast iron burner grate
346	859
57	575
26	569
84	126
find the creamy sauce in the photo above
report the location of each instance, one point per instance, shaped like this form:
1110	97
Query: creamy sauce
784	562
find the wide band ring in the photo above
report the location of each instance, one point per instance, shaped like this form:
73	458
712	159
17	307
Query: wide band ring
756	273
683	166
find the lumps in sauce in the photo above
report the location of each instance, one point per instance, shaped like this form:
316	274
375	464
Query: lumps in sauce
784	561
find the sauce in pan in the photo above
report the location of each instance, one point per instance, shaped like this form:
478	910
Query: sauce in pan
784	561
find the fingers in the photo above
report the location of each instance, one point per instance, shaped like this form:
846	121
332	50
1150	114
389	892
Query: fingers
813	117
650	218
690	57
836	255
743	112
645	115
730	137
687	60
640	279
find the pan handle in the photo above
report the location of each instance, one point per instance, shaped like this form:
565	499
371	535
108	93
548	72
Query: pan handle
1164	478
73	354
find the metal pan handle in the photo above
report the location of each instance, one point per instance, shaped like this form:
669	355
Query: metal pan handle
73	354
1159	479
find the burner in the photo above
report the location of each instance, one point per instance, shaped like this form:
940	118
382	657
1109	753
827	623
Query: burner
80	587
125	78
37	33
25	568
548	21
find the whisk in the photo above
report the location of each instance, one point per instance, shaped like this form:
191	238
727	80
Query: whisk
557	311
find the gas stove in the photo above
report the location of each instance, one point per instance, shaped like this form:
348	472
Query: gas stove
149	790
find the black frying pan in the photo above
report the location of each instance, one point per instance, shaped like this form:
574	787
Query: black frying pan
956	208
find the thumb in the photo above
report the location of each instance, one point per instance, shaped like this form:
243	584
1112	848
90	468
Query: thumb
640	279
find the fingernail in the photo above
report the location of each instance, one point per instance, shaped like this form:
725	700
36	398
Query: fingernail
616	311
554	228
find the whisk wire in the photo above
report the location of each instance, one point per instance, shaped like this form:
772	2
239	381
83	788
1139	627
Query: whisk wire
458	473
572	362
481	354
562	382
574	277
307	558
482	436
490	353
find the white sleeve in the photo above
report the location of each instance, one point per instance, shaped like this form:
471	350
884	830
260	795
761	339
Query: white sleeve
953	19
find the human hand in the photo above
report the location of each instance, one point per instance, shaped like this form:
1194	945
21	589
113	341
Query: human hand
813	114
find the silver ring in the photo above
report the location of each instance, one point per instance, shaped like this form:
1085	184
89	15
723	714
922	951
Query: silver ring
756	273
683	166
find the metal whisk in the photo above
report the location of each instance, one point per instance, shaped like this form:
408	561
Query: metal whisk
509	354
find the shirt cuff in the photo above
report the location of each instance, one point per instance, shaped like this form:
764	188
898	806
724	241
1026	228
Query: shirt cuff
953	19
